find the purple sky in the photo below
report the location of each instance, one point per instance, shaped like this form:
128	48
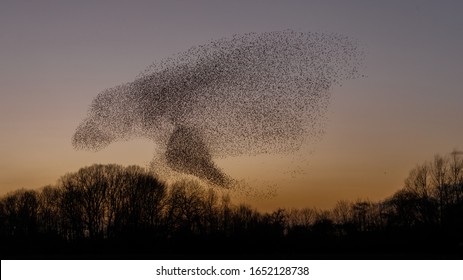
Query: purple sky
55	56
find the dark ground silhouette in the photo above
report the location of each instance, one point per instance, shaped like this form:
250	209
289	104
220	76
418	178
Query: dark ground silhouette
112	212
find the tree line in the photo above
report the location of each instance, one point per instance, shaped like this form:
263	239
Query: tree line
111	209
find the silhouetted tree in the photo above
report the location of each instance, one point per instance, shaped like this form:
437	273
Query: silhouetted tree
211	216
304	217
420	193
141	200
20	208
439	181
130	209
342	212
323	228
244	220
49	211
456	176
185	207
279	222
108	200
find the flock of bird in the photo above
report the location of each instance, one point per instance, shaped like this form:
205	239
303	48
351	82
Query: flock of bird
250	94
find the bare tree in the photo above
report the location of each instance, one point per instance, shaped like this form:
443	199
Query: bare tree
342	212
418	181
456	175
360	214
185	207
20	208
211	211
49	209
439	180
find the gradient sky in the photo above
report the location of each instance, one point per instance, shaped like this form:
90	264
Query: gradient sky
55	56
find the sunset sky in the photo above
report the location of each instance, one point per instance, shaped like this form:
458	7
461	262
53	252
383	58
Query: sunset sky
56	56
